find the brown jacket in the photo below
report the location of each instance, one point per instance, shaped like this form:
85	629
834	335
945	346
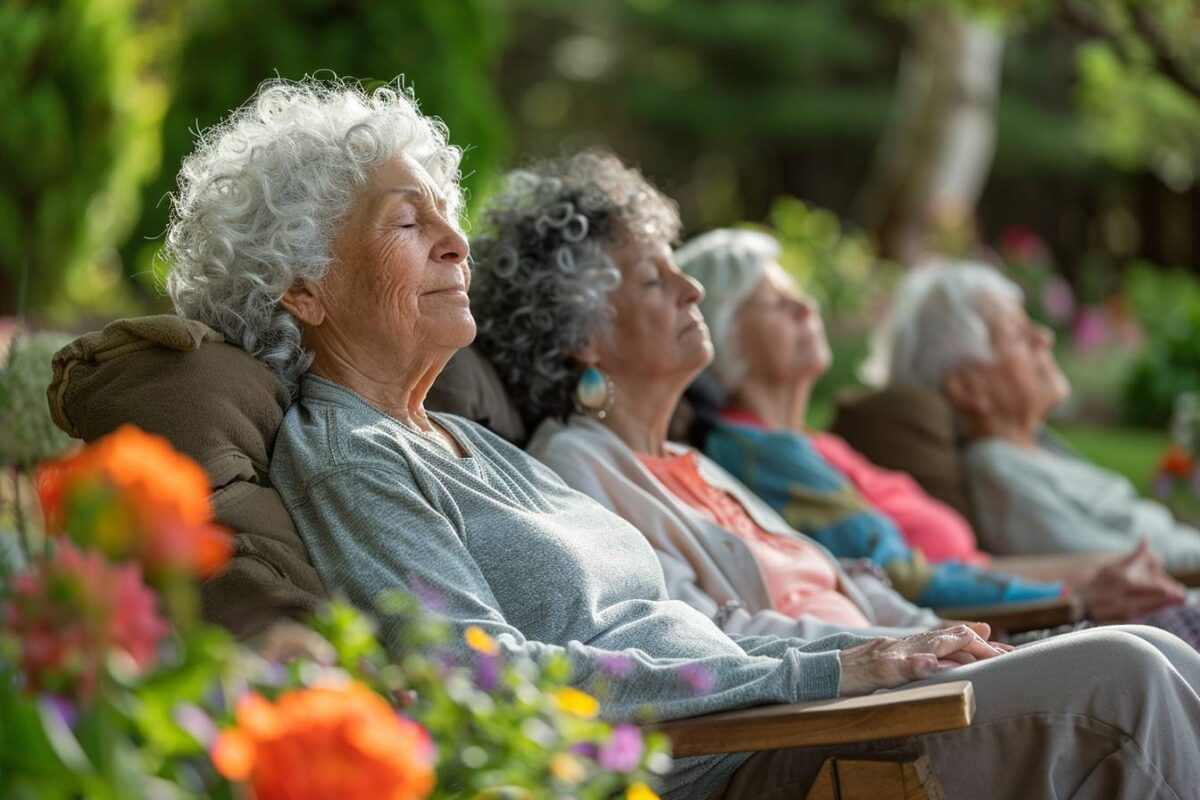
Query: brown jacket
177	378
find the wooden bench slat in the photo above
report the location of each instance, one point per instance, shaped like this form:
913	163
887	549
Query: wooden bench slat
888	715
1019	617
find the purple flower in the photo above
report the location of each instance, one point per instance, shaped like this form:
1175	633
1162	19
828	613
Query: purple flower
585	749
616	665
197	723
487	672
63	708
432	599
623	751
699	679
1163	486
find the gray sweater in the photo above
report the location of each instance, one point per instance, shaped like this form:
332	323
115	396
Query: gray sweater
503	544
1036	502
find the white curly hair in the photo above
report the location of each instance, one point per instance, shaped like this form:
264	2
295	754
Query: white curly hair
261	198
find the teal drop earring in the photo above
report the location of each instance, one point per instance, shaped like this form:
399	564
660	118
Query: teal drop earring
594	394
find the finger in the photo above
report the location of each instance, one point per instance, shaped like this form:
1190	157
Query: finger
960	637
982	629
919	666
1003	647
961	657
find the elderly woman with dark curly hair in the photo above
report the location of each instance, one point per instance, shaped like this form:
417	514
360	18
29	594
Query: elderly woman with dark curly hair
596	334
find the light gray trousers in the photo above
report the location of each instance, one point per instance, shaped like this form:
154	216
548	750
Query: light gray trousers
1104	713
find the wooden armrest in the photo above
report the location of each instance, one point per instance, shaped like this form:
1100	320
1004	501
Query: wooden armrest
1019	617
1188	577
888	715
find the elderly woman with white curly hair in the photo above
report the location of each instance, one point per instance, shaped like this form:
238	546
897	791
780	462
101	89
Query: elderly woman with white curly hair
960	328
596	333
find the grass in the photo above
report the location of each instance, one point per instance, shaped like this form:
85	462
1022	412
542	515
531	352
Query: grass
1133	452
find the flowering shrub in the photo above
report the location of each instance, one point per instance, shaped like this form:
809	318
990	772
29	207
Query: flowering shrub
101	697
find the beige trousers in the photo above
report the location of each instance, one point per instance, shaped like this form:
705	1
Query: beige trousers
1104	713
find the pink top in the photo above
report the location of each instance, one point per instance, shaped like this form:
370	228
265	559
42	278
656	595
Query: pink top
928	525
800	577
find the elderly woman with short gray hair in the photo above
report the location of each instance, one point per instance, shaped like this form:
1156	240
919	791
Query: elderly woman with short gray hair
960	328
594	328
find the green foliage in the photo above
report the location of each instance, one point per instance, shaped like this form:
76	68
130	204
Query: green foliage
1138	118
445	51
1167	302
837	268
81	135
29	435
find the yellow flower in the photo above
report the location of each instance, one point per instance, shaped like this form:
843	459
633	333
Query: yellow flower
477	639
573	701
566	768
640	791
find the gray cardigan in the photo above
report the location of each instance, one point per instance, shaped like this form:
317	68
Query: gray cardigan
503	544
1037	502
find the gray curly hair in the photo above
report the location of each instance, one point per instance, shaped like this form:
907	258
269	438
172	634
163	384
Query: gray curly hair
543	274
263	194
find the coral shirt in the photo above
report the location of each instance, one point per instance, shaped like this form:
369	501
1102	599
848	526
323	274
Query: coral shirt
800	578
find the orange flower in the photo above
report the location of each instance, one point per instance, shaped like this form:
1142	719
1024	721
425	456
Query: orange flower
331	741
1176	462
130	494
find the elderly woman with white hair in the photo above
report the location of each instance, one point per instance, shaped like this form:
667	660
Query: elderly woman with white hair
770	350
960	328
596	334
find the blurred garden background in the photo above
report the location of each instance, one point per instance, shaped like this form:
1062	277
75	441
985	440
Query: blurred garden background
1060	138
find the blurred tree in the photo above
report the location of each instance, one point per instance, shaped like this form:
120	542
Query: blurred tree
444	50
85	86
1138	95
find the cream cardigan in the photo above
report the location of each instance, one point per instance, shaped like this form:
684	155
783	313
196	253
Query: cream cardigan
705	566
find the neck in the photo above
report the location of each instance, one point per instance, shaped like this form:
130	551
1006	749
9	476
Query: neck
1021	432
642	419
782	405
397	389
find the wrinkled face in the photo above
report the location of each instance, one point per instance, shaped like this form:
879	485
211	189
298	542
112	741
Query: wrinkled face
657	331
399	280
1026	380
779	333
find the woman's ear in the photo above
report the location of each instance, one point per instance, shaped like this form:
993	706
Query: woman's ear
303	301
965	389
588	355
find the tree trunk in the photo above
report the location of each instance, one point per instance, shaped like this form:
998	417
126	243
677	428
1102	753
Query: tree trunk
935	153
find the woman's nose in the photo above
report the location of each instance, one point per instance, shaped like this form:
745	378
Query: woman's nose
1045	336
693	291
452	248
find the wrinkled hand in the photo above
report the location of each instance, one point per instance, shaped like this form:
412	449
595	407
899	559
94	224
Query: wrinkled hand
1131	587
885	663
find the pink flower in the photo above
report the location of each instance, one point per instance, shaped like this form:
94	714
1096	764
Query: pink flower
623	751
1090	331
1058	300
699	679
70	611
1019	243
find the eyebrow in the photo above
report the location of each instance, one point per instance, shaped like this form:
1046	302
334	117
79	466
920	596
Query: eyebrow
413	191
